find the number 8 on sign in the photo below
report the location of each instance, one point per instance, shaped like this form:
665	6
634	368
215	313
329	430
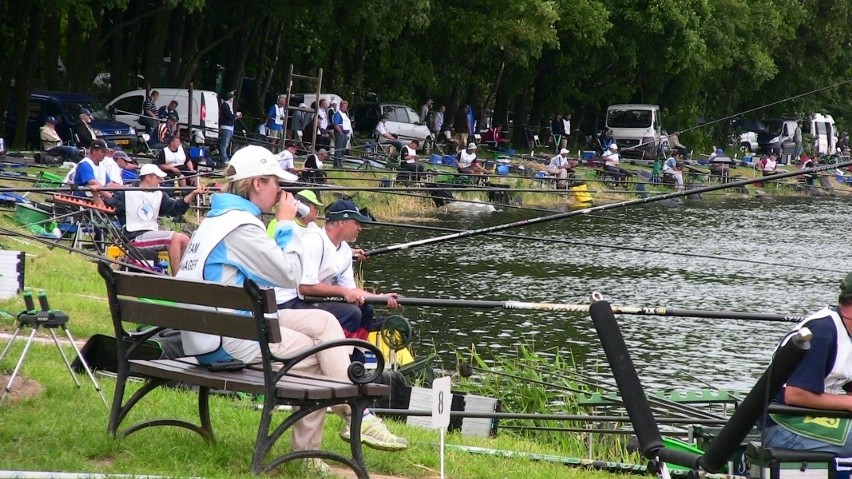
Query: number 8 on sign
441	398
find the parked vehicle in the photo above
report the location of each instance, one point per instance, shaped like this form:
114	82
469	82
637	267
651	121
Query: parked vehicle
823	133
403	121
636	128
66	108
128	107
777	134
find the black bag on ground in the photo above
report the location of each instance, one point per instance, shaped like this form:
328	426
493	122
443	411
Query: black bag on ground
100	353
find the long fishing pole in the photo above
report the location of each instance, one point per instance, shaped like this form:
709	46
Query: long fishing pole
52	242
585	211
610	246
675	408
576	308
545	417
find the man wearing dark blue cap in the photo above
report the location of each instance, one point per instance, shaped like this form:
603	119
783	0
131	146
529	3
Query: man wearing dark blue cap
327	269
822	380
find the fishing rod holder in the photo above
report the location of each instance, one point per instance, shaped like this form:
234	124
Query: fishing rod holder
49	319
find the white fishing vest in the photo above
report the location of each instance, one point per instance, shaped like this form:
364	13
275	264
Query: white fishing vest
141	210
841	370
209	234
175	158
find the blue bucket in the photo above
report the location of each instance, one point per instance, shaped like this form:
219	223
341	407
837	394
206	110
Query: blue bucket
510	152
435	160
196	152
450	160
502	170
541	174
588	155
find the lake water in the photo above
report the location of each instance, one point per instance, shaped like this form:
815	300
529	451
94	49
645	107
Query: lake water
803	236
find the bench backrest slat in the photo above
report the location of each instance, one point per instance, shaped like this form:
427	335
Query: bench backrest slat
208	293
189	317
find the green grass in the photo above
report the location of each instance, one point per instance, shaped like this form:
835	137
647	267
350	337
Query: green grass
64	429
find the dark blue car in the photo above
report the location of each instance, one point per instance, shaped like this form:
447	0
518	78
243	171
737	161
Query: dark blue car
66	108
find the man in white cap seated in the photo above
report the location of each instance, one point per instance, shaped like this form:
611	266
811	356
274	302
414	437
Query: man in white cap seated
140	210
467	161
560	166
611	161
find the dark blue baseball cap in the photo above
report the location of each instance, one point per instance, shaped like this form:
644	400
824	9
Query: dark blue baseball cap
50	119
345	210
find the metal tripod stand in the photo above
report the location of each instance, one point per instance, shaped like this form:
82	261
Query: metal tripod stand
50	320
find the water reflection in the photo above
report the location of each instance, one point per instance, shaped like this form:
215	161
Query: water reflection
669	352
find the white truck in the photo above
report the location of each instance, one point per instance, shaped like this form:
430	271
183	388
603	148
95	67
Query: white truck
636	128
777	134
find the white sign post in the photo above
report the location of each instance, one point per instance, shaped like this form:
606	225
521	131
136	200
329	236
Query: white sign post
442	400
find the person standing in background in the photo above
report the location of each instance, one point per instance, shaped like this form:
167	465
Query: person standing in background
227	118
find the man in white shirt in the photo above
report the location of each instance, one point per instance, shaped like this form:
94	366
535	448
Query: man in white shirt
611	161
383	136
140	210
560	166
467	162
287	156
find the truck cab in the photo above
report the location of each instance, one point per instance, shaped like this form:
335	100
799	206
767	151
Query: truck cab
636	128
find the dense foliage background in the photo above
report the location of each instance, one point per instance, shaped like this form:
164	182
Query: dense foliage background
696	58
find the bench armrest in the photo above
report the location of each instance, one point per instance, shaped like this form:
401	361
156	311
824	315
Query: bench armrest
357	372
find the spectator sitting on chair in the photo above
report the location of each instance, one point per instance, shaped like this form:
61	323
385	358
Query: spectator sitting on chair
286	156
467	161
88	173
808	162
129	168
383	136
84	132
313	168
139	211
110	164
560	166
769	165
492	138
611	161
671	167
675	144
165	131
52	145
409	158
175	163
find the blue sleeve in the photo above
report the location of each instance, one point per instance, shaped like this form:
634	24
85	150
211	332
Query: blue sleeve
84	174
811	372
271	113
283	233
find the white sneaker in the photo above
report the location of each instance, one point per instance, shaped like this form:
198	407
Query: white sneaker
316	467
375	434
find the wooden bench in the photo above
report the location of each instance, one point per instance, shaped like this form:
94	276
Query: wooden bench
238	312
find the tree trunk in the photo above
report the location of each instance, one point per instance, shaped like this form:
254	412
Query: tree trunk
358	65
24	80
53	77
154	38
263	89
175	45
9	66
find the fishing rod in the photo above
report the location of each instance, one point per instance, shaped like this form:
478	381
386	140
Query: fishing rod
53	242
585	211
610	246
660	403
574	308
543	417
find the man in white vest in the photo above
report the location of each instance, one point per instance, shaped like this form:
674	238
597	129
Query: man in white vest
231	244
175	163
141	209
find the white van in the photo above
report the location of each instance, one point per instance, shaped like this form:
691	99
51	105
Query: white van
308	98
636	128
127	108
823	133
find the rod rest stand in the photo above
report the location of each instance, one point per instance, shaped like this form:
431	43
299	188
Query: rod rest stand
43	319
